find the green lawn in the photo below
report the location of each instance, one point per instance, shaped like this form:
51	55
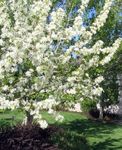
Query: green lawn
100	136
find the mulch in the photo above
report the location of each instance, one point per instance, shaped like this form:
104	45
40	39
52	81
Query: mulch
27	137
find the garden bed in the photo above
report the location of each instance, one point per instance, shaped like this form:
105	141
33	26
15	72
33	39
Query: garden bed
30	137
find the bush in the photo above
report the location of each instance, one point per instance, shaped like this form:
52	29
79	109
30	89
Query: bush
88	104
89	108
94	113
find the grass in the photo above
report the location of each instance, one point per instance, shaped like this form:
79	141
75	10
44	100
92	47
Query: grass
100	136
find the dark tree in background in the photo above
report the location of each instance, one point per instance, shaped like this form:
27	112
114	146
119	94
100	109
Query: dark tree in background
108	33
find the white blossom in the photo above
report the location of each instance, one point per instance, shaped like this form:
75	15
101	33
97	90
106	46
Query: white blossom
32	60
43	124
59	118
5	88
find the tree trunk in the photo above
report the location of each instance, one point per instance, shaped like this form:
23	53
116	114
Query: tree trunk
101	111
29	118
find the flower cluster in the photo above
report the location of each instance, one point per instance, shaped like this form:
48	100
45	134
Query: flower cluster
35	71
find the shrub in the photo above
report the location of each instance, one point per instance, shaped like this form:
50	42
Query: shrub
87	105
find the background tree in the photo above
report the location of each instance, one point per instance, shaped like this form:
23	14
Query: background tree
108	34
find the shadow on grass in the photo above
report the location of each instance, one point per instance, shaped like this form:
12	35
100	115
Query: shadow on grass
76	133
108	144
89	127
68	140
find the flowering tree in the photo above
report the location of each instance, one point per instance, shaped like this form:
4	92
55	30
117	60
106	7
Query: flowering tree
37	55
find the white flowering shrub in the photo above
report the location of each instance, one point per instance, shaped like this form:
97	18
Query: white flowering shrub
37	55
